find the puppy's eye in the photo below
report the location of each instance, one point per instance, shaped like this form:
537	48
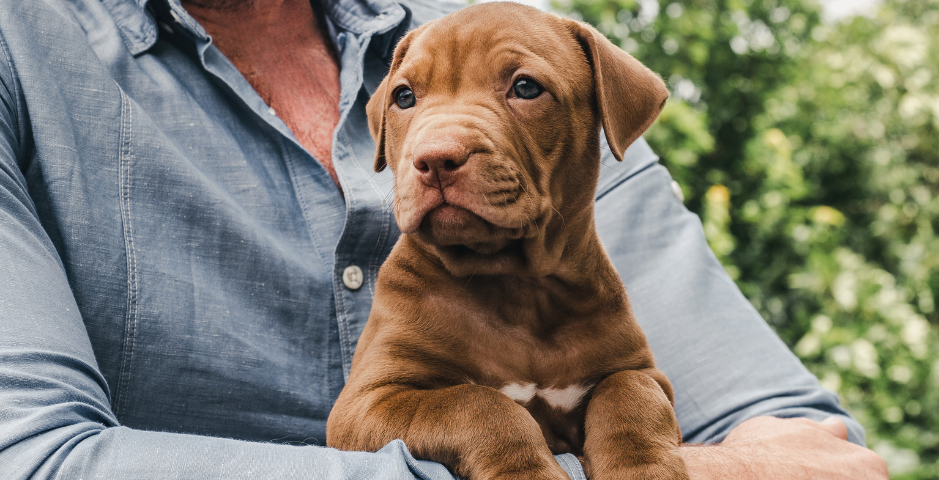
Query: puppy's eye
527	88
405	98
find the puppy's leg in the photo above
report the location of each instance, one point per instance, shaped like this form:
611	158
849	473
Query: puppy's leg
476	431
631	430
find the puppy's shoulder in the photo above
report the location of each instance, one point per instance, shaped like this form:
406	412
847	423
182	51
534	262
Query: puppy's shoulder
409	270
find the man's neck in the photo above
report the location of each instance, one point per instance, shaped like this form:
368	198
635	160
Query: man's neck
284	52
253	22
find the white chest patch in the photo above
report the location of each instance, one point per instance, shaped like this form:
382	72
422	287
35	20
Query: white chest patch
520	393
563	399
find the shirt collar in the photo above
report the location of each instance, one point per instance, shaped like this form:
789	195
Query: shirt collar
135	22
138	24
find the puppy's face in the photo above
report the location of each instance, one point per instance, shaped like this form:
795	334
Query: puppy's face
489	120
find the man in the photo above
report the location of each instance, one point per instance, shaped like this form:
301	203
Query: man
190	231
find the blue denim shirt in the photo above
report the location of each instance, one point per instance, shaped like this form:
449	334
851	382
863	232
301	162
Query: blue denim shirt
171	259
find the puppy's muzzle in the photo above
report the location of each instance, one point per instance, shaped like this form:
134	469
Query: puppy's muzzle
438	161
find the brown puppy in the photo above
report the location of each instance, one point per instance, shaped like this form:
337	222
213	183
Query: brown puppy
501	332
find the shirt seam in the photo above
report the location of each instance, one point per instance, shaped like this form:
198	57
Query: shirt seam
575	468
609	187
131	316
16	93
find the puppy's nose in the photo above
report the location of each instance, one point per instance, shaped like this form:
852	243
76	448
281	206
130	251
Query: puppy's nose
438	162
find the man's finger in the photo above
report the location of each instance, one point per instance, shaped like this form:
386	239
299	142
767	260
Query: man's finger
835	426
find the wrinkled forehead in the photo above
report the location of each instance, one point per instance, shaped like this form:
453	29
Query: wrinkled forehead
490	42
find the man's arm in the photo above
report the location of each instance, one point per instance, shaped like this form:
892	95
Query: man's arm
792	448
726	365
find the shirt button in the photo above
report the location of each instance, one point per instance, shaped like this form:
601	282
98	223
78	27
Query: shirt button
352	277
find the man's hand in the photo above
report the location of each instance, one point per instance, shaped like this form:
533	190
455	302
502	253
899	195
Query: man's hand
795	448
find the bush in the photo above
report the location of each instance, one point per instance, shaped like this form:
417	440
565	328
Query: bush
811	153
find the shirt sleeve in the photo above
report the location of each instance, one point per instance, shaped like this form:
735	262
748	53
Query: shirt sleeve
725	363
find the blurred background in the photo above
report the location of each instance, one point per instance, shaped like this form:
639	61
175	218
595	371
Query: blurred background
806	136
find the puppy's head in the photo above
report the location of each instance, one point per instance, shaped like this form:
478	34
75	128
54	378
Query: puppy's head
490	119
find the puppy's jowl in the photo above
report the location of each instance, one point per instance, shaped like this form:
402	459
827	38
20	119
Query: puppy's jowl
501	332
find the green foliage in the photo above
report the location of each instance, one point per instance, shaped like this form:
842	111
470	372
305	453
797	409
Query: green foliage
811	152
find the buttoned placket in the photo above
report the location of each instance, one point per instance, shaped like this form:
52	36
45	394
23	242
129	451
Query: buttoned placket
369	230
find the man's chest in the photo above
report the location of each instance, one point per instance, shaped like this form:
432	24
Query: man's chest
301	85
202	244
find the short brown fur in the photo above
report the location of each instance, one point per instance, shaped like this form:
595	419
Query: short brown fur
499	279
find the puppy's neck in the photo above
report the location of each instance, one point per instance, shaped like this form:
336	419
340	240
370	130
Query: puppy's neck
551	292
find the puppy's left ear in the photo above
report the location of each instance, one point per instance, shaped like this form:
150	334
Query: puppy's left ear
376	106
629	95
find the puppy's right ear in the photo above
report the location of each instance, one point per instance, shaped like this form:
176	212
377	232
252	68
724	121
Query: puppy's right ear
378	104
